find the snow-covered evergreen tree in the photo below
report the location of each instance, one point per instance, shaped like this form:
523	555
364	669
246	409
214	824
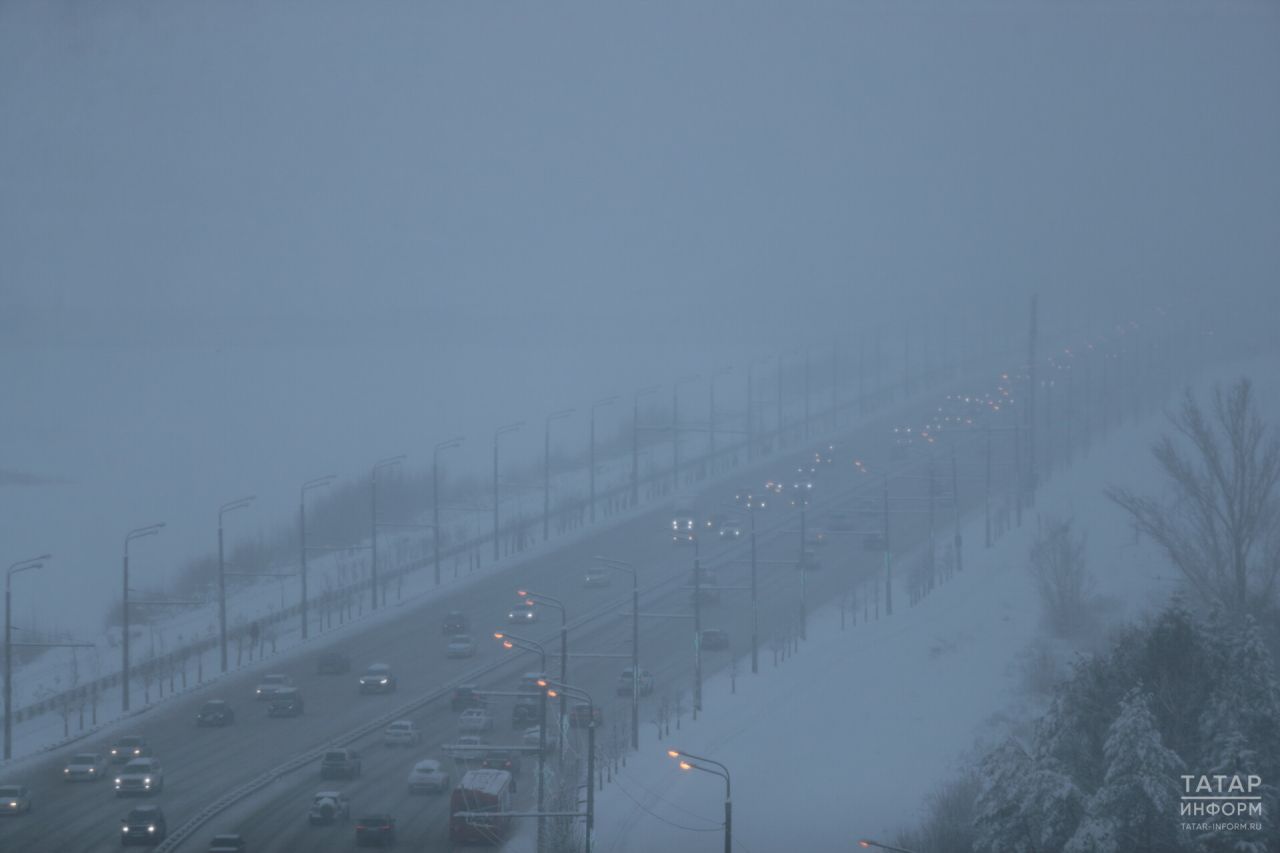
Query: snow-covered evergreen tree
1136	808
998	823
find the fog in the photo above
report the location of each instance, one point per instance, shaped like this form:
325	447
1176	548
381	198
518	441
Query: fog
247	244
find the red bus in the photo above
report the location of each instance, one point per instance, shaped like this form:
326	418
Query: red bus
480	791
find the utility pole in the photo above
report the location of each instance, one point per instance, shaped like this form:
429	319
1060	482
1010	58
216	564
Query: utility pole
591	456
496	435
546	472
635	443
697	631
137	533
373	519
888	565
302	537
456	441
1031	406
222	577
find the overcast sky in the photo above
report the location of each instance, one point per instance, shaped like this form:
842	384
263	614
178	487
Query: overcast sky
223	222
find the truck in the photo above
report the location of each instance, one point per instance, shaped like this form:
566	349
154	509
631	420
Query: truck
480	791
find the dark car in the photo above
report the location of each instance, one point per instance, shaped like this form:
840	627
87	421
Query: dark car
143	825
229	842
714	639
216	712
333	663
465	696
526	712
340	763
286	703
379	829
581	714
127	748
456	623
378	679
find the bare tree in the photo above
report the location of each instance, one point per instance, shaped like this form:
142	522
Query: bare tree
1058	565
1222	527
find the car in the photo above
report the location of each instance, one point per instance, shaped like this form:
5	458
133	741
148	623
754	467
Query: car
328	807
215	712
774	487
815	536
140	776
581	715
503	759
428	777
127	748
522	615
466	748
526	711
803	484
903	438
745	497
456	623
461	646
475	720
340	763
597	576
85	767
730	529
286	703
809	562
376	829
840	520
626	681
714	639
227	842
467	696
378	679
401	733
270	684
533	736
15	799
333	663
143	825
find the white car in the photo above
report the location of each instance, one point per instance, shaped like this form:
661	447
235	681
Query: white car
401	733
532	737
597	576
327	807
140	776
270	684
466	747
85	767
461	646
428	776
475	720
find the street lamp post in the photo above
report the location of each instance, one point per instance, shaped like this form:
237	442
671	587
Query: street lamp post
435	502
546	471
675	430
562	689
511	641
222	577
630	569
20	566
498	433
317	483
591	457
711	412
698	763
635	442
137	533
389	462
564	640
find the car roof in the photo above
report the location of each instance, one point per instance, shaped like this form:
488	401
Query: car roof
330	795
227	836
427	764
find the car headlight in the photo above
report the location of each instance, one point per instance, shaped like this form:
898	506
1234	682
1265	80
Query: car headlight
383	681
146	780
151	827
93	770
124	828
118	780
67	770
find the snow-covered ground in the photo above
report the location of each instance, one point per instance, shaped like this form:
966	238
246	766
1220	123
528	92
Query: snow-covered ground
846	738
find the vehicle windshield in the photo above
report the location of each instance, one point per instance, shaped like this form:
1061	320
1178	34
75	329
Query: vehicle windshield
144	813
428	766
129	741
138	765
85	758
378	669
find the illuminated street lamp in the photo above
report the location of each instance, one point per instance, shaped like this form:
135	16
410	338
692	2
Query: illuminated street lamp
698	762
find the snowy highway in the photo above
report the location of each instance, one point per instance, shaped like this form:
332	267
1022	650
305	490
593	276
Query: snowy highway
202	764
